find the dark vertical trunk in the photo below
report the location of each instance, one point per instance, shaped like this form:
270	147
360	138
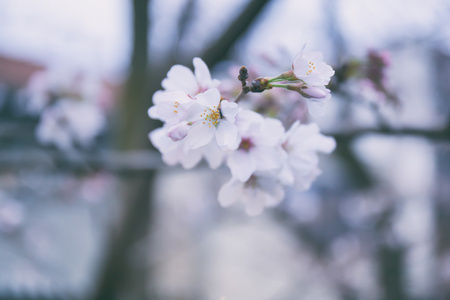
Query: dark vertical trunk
124	274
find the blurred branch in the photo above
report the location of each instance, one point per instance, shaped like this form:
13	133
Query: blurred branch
123	273
333	29
145	160
238	27
131	115
121	162
214	54
437	135
183	24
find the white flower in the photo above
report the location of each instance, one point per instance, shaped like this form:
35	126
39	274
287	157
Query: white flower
181	78
259	149
170	107
178	152
301	144
46	87
257	193
69	122
210	117
310	67
42	86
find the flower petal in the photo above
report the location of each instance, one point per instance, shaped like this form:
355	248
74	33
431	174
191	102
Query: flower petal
180	78
272	132
254	200
268	158
191	159
202	73
230	192
227	135
241	165
315	108
199	135
229	110
213	154
210	98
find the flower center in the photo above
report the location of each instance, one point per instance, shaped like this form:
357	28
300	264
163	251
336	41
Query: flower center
286	147
211	117
310	67
176	104
246	144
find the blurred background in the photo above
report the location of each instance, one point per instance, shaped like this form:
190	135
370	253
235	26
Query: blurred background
89	211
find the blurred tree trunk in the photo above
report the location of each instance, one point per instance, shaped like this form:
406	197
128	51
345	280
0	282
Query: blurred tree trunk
124	272
391	263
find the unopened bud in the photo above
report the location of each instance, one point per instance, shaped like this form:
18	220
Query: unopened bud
307	91
312	92
289	75
243	74
259	85
179	131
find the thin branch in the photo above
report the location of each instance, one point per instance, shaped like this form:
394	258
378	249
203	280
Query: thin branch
119	162
238	27
437	135
146	160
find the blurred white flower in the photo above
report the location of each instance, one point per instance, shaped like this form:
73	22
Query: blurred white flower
70	122
301	144
258	192
46	87
259	149
181	78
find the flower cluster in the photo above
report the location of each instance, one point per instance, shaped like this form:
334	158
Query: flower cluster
263	157
68	106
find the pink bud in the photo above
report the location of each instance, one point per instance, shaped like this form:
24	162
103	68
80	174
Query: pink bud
179	131
312	92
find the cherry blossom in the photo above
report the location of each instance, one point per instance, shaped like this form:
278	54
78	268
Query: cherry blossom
174	152
258	192
212	117
262	157
311	69
44	88
171	107
259	149
181	78
301	144
70	122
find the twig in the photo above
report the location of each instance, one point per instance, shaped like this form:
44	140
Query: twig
238	27
437	135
